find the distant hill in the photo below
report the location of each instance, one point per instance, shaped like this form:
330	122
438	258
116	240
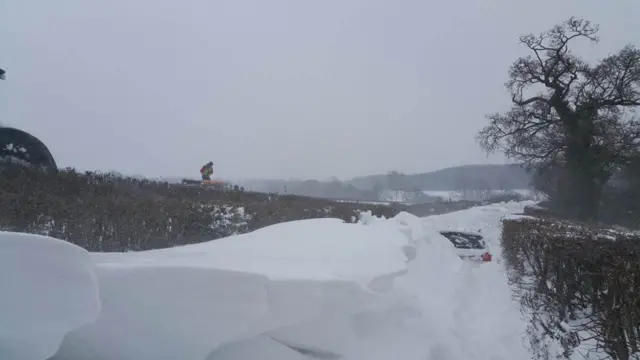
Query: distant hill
477	177
466	179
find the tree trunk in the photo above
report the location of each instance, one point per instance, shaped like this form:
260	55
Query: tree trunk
584	170
587	195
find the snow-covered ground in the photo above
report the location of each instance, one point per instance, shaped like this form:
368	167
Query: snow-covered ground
456	195
311	289
479	195
49	288
365	202
486	220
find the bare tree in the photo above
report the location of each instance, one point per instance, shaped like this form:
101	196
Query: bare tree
568	113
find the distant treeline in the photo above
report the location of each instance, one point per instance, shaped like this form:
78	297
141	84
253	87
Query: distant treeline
370	188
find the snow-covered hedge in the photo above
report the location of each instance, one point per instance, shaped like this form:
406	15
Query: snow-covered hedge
580	287
108	212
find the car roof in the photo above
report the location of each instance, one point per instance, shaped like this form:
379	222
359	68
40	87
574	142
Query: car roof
465	240
464	233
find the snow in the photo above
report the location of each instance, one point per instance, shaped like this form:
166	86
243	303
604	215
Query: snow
454	195
369	202
485	220
478	195
49	288
14	160
379	289
365	252
394	196
233	288
231	220
442	308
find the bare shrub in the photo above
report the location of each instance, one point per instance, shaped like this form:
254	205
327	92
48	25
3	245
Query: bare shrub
577	284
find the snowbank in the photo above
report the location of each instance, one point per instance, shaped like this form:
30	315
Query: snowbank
442	308
48	289
317	249
381	289
181	303
486	220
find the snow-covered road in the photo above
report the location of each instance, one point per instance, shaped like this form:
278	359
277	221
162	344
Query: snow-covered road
381	289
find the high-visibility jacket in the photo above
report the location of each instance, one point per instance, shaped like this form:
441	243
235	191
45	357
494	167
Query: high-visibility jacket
206	170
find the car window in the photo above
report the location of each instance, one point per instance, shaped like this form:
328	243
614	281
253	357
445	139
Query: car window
464	241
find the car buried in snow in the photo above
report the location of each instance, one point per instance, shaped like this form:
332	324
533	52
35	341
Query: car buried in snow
468	245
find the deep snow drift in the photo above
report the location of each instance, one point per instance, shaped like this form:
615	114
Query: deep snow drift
318	249
483	219
181	303
48	289
382	289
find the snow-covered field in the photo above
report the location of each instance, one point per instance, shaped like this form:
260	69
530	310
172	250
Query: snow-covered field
479	195
389	196
365	202
458	195
310	289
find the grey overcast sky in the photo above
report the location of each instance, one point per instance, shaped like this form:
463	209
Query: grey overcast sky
272	88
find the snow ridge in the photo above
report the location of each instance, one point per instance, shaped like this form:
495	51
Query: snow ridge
379	289
49	288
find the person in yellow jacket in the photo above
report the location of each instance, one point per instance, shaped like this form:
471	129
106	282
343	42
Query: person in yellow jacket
206	171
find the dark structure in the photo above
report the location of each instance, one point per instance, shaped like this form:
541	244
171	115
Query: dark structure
20	146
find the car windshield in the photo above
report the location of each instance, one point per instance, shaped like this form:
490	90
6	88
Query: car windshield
464	241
